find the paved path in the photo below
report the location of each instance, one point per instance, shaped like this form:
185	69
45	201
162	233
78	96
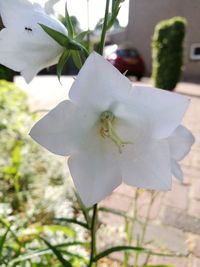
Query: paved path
174	219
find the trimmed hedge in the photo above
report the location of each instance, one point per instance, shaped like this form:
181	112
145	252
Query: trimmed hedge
167	52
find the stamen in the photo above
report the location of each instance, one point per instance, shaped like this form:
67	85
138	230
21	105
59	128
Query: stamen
107	130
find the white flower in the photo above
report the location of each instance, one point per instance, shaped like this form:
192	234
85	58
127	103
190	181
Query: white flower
115	132
24	46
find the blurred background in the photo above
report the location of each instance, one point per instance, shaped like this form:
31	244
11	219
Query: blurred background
157	43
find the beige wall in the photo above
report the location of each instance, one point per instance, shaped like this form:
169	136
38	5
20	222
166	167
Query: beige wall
145	14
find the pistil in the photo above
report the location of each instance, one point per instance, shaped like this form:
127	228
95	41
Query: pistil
107	130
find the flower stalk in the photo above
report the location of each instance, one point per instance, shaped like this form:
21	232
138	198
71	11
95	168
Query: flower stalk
103	35
93	236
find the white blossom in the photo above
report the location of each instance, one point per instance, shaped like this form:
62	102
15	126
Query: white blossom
114	132
24	45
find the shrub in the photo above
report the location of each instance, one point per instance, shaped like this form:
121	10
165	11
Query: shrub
167	52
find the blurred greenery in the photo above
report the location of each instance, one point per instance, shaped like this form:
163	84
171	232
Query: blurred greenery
75	23
6	73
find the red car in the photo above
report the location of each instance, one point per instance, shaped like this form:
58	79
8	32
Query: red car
127	60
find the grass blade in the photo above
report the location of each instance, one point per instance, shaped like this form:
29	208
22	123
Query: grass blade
133	249
57	253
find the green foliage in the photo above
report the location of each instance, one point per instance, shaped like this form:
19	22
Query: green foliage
75	25
72	44
6	73
112	25
62	61
168	52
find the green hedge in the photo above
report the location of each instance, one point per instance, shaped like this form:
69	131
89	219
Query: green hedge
167	52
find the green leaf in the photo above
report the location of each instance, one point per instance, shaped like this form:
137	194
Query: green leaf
64	40
69	24
59	37
84	210
2	240
47	251
16	155
62	61
56	228
125	72
74	221
133	249
81	36
77	59
57	253
116	5
8	226
113	211
118	248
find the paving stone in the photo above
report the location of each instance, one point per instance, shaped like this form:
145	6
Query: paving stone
195	190
190	174
166	237
196	249
125	190
111	219
188	88
194	208
178	196
176	262
117	201
144	202
181	220
196	262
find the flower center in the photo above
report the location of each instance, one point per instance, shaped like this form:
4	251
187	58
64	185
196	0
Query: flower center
107	119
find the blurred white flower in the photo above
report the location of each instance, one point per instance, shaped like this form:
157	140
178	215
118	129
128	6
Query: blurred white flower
115	132
24	46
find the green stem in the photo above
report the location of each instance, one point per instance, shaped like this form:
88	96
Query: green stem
103	35
144	228
130	223
93	236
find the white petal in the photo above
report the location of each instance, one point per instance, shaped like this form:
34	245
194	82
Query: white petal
99	85
29	73
27	51
95	170
11	10
147	165
176	170
163	110
59	131
180	143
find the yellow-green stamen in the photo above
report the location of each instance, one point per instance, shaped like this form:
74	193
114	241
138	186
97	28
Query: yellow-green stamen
107	130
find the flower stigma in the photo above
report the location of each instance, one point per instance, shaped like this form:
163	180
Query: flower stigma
107	119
